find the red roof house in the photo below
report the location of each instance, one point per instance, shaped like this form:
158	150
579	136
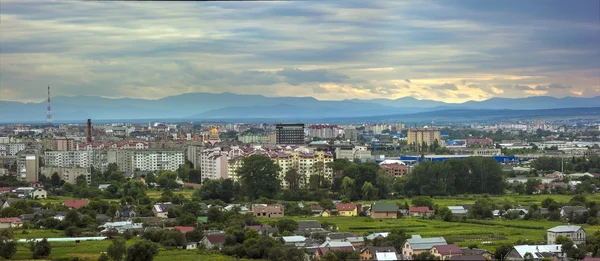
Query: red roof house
182	229
76	203
420	211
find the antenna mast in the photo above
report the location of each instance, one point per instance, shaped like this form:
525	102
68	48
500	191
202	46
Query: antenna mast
49	111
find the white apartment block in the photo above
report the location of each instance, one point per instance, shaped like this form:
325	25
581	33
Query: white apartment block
324	131
146	160
214	162
361	153
68	159
69	175
137	145
11	149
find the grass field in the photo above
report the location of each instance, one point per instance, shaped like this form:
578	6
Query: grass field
155	193
493	232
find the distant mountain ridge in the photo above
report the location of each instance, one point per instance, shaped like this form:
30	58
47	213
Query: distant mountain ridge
228	105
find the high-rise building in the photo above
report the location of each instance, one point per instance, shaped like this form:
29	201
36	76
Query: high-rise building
416	136
63	144
146	160
351	134
289	134
67	159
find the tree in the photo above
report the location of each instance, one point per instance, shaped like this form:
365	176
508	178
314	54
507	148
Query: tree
531	186
287	225
368	191
445	214
40	249
117	250
143	250
502	250
339	255
422	202
348	187
259	177
8	247
195	176
293	178
55	179
194	236
103	257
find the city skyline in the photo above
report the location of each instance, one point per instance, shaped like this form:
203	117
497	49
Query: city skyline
450	51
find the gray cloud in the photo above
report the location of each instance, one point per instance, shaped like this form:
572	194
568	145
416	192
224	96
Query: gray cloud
318	89
445	86
522	87
296	76
407	80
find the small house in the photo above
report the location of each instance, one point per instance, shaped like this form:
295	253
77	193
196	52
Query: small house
445	252
384	210
346	209
420	211
213	241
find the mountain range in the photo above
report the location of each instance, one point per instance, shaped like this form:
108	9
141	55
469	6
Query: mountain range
209	106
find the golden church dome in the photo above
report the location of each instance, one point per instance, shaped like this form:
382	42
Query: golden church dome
213	131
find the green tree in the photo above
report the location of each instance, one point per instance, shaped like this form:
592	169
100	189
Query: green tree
531	186
103	257
8	247
55	180
348	187
287	225
259	177
422	202
293	178
143	250
40	249
368	191
117	250
445	214
502	250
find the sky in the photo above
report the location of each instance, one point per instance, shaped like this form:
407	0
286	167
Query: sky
452	51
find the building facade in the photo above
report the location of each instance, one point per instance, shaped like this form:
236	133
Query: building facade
289	134
575	233
63	144
418	136
67	174
67	159
146	160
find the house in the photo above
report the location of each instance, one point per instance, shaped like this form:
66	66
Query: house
161	210
356	241
316	210
538	252
292	240
27	217
458	211
416	245
417	211
346	209
329	212
76	203
126	212
321	251
39	193
309	226
121	226
213	241
102	187
182	229
191	245
264	229
271	210
567	211
338	236
336	244
591	259
241	209
384	210
476	252
445	252
370	253
12	222
521	212
575	233
9	202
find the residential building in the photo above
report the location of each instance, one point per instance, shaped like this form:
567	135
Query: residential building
28	165
39	193
68	174
214	164
370	253
146	160
538	252
384	210
346	209
575	233
63	144
417	136
289	133
214	241
360	153
445	252
416	245
323	131
11	222
417	211
68	159
271	211
161	210
258	138
377	235
458	211
11	149
486	142
351	134
394	168
322	250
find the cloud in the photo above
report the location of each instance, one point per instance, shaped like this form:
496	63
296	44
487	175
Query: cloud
445	86
153	50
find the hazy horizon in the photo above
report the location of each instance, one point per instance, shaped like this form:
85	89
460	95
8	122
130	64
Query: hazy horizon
450	51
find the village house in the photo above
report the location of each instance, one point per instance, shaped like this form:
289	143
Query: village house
316	210
346	209
416	245
12	222
370	253
538	252
418	211
458	211
445	252
213	241
377	235
182	229
76	203
39	193
126	212
271	211
384	210
567	211
322	250
575	233
161	210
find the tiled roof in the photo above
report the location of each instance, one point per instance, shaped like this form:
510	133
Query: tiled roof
216	238
420	210
345	206
182	229
451	249
76	203
13	220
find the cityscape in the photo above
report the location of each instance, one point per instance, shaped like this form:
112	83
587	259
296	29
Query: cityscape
316	156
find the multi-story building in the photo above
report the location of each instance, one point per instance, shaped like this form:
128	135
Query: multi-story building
351	134
360	153
258	138
63	144
324	131
575	233
146	160
418	136
69	175
28	163
289	134
11	149
67	159
137	145
394	168
213	164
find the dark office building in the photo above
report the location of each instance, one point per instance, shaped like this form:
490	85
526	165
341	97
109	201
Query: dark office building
289	134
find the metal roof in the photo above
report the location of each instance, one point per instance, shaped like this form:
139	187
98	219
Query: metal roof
535	250
567	228
419	243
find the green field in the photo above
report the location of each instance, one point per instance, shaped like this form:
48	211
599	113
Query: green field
155	193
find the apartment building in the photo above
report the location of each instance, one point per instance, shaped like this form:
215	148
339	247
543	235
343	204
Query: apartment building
394	168
324	131
416	136
351	134
137	145
252	138
63	144
28	163
11	149
146	160
361	153
69	175
289	133
213	164
67	159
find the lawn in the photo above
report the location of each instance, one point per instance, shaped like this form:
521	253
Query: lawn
524	200
492	232
155	193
